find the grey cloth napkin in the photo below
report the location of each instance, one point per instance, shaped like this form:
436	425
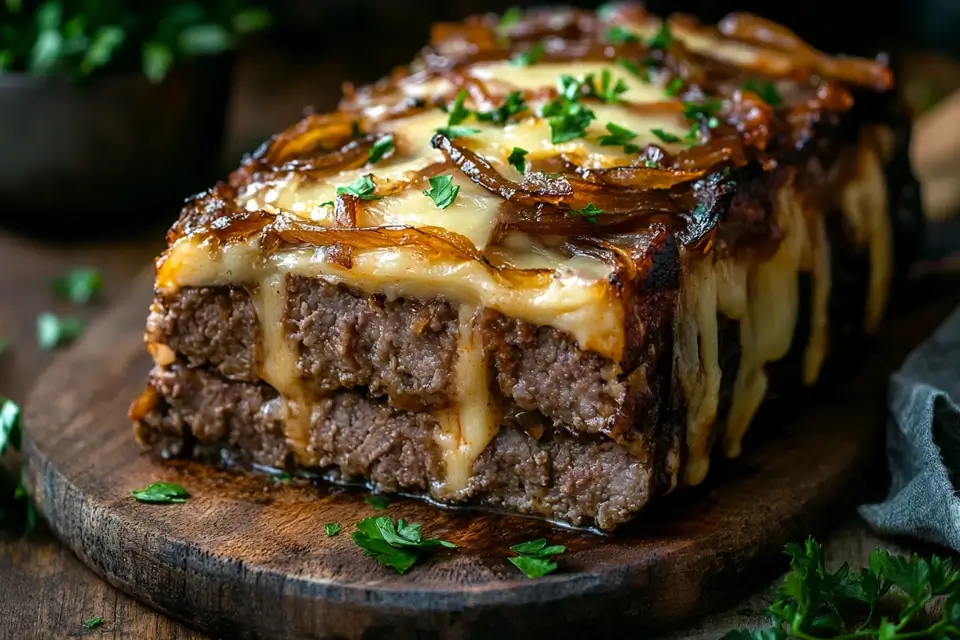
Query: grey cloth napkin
923	443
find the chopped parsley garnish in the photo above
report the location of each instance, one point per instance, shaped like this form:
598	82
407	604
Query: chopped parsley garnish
377	501
457	113
510	17
283	477
380	148
54	330
590	212
512	105
332	528
457	132
619	137
535	558
529	57
674	86
161	493
641	72
702	110
664	136
609	90
92	623
363	188
442	191
618	34
890	599
568	118
766	90
517	159
79	285
10	430
395	546
650	164
662	38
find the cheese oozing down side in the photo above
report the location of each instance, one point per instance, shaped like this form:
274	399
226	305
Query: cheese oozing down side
573	292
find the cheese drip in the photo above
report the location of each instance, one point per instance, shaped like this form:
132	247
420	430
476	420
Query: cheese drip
764	298
278	365
468	427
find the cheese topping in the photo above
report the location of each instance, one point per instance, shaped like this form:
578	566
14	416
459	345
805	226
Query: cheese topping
536	279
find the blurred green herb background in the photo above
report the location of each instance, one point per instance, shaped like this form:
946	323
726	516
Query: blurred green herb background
79	38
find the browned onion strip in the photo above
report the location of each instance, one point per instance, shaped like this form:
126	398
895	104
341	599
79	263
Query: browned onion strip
642	177
753	29
569	191
345	211
289	230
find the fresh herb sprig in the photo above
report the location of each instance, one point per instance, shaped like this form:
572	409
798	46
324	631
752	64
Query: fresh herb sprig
817	604
161	493
80	39
54	330
535	558
397	546
79	285
13	495
568	118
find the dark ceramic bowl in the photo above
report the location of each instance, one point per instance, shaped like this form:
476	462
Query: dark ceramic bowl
117	151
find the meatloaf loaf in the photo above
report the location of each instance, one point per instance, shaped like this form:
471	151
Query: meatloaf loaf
547	267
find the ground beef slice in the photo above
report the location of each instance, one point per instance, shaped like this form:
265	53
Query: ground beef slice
405	351
580	480
540	369
209	326
402	349
195	405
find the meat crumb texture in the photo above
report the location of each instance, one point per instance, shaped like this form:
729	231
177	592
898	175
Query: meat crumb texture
555	265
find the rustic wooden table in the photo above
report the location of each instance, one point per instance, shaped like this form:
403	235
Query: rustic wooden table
45	592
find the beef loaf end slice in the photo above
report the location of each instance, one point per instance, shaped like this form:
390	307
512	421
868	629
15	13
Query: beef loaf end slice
579	480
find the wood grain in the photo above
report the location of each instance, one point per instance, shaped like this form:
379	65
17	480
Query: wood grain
248	558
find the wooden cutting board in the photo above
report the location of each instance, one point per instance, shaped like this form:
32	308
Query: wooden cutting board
248	557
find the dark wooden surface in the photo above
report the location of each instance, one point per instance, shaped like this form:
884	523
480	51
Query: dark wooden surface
45	592
248	558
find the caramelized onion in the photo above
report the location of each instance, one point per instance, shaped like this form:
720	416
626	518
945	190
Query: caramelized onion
290	231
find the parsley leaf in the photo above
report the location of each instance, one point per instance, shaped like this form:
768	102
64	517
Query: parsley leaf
161	493
283	477
53	330
619	137
457	132
332	528
517	159
512	105
78	285
510	17
380	148
529	57
394	546
457	113
813	602
92	623
442	191
664	136
641	72
535	558
617	34
377	501
590	212
663	38
567	117
608	91
673	87
10	430
766	90
363	188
